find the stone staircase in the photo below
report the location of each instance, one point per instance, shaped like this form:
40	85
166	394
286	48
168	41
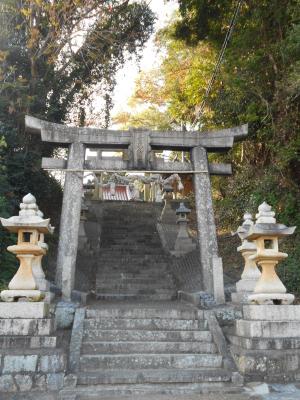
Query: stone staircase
136	339
132	263
161	347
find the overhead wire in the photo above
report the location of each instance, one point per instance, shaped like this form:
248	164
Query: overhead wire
199	110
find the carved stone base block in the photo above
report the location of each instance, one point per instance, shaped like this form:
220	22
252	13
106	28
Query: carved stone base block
246	285
266	342
271	298
244	288
24	310
27	295
240	297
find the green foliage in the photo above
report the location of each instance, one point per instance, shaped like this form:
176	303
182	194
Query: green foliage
52	56
258	84
151	118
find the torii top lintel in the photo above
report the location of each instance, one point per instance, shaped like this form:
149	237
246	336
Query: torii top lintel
216	141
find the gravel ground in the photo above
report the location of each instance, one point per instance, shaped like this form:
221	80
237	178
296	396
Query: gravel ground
252	391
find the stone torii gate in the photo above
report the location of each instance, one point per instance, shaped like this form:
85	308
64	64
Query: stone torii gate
140	146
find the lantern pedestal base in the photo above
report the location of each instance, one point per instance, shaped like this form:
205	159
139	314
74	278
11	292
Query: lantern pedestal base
265	343
19	295
240	297
244	288
271	298
24	310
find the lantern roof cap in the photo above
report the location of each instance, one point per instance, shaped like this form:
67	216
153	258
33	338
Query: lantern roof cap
243	229
266	224
265	214
182	209
274	230
30	217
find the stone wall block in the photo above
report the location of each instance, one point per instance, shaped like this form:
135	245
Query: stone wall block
45	326
38	342
7	384
52	363
39	382
13	364
272	312
24	310
268	329
24	382
55	381
19	327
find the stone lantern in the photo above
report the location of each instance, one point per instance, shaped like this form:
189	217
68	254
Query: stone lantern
37	269
251	273
266	232
82	237
167	215
30	248
184	243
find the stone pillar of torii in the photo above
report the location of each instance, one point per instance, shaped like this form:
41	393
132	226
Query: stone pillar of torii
140	146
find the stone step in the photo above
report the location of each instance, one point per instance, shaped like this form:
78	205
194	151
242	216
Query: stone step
153	376
117	271
130	262
143	323
28	342
128	257
142	297
130	287
151	290
145	361
139	272
115	265
143	391
109	280
147	347
114	275
147	311
136	249
110	335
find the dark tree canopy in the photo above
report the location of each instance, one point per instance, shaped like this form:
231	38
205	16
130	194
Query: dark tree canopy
53	55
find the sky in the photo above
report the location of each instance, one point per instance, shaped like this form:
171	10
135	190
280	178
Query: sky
127	75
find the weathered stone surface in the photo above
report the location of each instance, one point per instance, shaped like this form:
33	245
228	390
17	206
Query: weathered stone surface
272	312
205	220
52	363
141	361
45	326
26	327
24	382
271	365
70	380
37	342
24	310
268	329
240	297
264	344
70	219
258	388
76	340
55	381
40	382
7	384
217	140
219	294
20	363
64	314
27	342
